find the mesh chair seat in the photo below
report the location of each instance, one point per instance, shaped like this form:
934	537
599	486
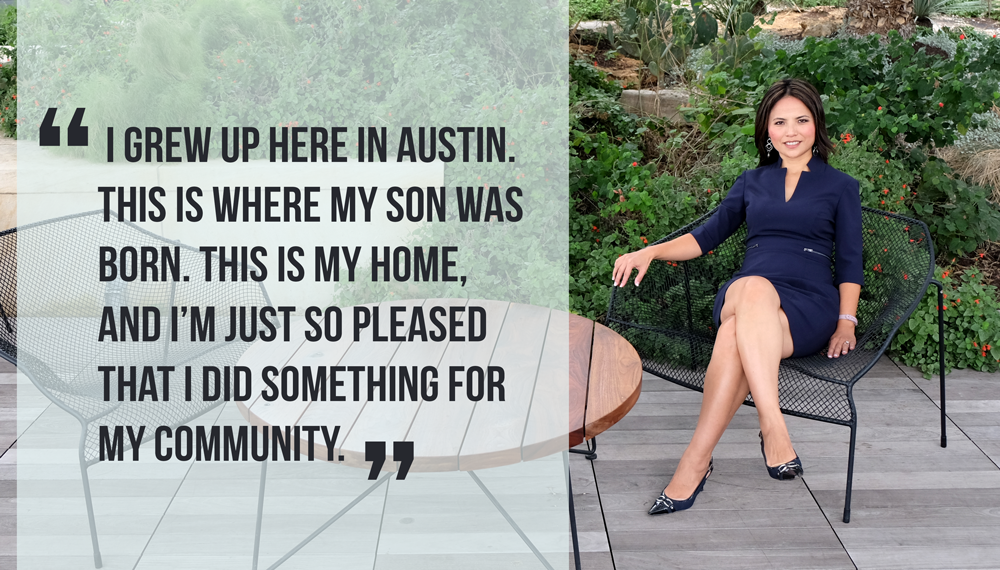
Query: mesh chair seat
51	297
669	318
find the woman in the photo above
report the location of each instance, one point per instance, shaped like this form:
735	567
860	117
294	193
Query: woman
784	302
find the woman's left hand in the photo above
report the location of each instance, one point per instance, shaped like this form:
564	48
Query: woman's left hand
842	340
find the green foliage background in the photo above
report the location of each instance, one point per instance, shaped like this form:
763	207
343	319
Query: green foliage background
888	105
274	64
8	71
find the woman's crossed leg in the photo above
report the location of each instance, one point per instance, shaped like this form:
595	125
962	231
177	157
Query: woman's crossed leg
752	339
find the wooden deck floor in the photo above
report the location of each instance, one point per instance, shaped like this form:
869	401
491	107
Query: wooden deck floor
915	504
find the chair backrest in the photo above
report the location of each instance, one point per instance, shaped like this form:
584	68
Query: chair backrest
49	283
673	307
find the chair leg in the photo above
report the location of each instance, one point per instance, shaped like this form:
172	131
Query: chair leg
260	513
510	521
90	502
850	472
944	436
572	511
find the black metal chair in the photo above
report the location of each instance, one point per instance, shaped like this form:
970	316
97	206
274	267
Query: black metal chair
64	365
669	320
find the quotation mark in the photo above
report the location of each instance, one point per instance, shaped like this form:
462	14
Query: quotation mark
76	134
402	451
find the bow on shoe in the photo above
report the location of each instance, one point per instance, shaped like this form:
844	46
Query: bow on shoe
663	504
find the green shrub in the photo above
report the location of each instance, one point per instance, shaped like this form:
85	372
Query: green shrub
8	71
885	184
616	206
971	330
593	10
891	90
925	8
594	105
958	214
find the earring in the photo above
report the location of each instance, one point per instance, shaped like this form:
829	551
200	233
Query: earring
769	146
815	149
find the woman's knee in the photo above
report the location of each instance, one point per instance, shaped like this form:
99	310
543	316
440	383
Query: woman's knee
756	290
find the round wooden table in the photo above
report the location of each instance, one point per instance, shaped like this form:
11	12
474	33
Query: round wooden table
596	379
566	379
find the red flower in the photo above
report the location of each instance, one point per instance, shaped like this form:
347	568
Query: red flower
880	108
961	37
644	240
905	276
977	301
635	164
940	104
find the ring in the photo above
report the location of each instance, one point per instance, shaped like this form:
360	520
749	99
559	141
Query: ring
847	342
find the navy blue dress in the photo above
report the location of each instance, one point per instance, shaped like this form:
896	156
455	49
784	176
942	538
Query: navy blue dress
791	243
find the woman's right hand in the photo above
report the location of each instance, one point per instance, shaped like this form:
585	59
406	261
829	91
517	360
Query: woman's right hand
625	264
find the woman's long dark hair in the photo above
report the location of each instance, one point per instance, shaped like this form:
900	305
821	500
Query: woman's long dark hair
803	91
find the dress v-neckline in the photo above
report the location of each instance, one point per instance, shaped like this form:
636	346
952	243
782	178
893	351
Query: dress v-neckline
814	162
794	190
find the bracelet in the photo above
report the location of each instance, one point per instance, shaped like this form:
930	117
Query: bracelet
850	318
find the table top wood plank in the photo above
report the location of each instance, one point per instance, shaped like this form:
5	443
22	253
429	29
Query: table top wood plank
559	369
389	421
313	355
545	431
438	429
581	341
496	429
274	353
366	352
615	380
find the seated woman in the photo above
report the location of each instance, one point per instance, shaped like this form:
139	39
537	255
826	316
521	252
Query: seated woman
784	302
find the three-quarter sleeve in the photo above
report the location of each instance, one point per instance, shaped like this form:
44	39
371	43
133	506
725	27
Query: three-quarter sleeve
848	237
725	221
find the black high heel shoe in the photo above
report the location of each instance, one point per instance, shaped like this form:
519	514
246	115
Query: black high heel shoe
665	504
782	472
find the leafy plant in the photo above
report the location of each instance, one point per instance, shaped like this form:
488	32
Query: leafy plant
593	10
737	16
958	214
971	333
8	71
924	8
616	206
662	34
594	102
867	87
885	184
